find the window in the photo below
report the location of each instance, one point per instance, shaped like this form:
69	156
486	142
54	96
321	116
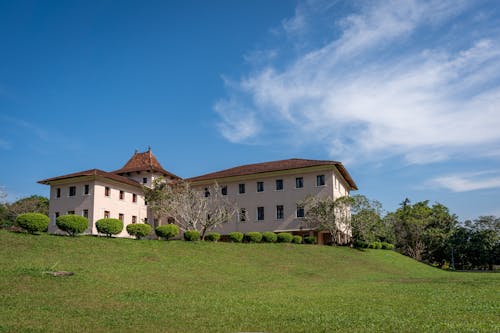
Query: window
260	186
86	213
260	213
134	219
145	220
120	217
86	189
320	180
224	190
241	188
299	182
71	212
72	191
58	193
57	214
207	192
107	191
300	211
279	212
144	180
279	184
243	215
122	195
134	197
106	214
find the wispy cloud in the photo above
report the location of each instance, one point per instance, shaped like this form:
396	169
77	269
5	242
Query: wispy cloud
467	181
375	88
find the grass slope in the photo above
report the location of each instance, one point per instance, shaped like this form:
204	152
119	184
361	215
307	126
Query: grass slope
125	285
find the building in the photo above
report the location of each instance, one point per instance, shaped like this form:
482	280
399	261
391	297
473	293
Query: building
97	194
266	194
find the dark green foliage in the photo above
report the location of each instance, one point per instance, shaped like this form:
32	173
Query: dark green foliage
310	240
138	230
72	224
253	237
387	246
33	222
285	237
191	235
269	237
212	236
109	227
297	239
236	237
167	231
31	204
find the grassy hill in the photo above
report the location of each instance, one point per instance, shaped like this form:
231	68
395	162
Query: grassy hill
125	285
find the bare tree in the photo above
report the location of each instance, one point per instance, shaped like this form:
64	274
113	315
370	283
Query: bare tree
328	214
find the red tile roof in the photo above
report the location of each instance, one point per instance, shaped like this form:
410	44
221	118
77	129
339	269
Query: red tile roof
294	163
144	162
93	173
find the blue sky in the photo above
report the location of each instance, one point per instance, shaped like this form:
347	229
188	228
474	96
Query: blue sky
405	93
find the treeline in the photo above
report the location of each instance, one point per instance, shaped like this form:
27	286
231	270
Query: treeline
429	233
31	204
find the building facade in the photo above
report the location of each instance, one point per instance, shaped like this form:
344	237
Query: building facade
266	194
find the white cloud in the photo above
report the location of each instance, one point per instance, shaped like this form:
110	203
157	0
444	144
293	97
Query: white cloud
369	91
467	181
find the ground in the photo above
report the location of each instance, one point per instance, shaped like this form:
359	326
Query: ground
124	285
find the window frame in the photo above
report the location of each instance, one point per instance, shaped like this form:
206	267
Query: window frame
260	217
242	188
260	187
282	187
242	215
299	181
72	191
323	180
107	191
300	208
280	212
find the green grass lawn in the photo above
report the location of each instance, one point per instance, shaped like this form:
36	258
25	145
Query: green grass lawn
123	285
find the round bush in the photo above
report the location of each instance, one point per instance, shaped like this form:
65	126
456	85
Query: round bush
297	239
212	236
33	222
285	237
109	227
236	237
138	230
167	231
253	237
387	246
191	235
269	237
310	240
72	224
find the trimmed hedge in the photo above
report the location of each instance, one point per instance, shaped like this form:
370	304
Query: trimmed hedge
253	237
285	237
387	246
109	227
72	224
33	222
191	235
138	230
236	237
309	240
167	231
297	239
212	236
269	237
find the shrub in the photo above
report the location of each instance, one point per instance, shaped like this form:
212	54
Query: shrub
235	237
376	245
285	237
253	237
191	235
72	224
109	227
387	246
310	240
212	236
361	244
297	239
269	237
33	222
139	230
167	231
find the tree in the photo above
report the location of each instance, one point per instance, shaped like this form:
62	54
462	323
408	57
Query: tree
330	215
31	204
367	222
191	208
159	197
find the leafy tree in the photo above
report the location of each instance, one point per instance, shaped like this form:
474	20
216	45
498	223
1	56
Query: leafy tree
328	214
31	204
367	222
158	197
